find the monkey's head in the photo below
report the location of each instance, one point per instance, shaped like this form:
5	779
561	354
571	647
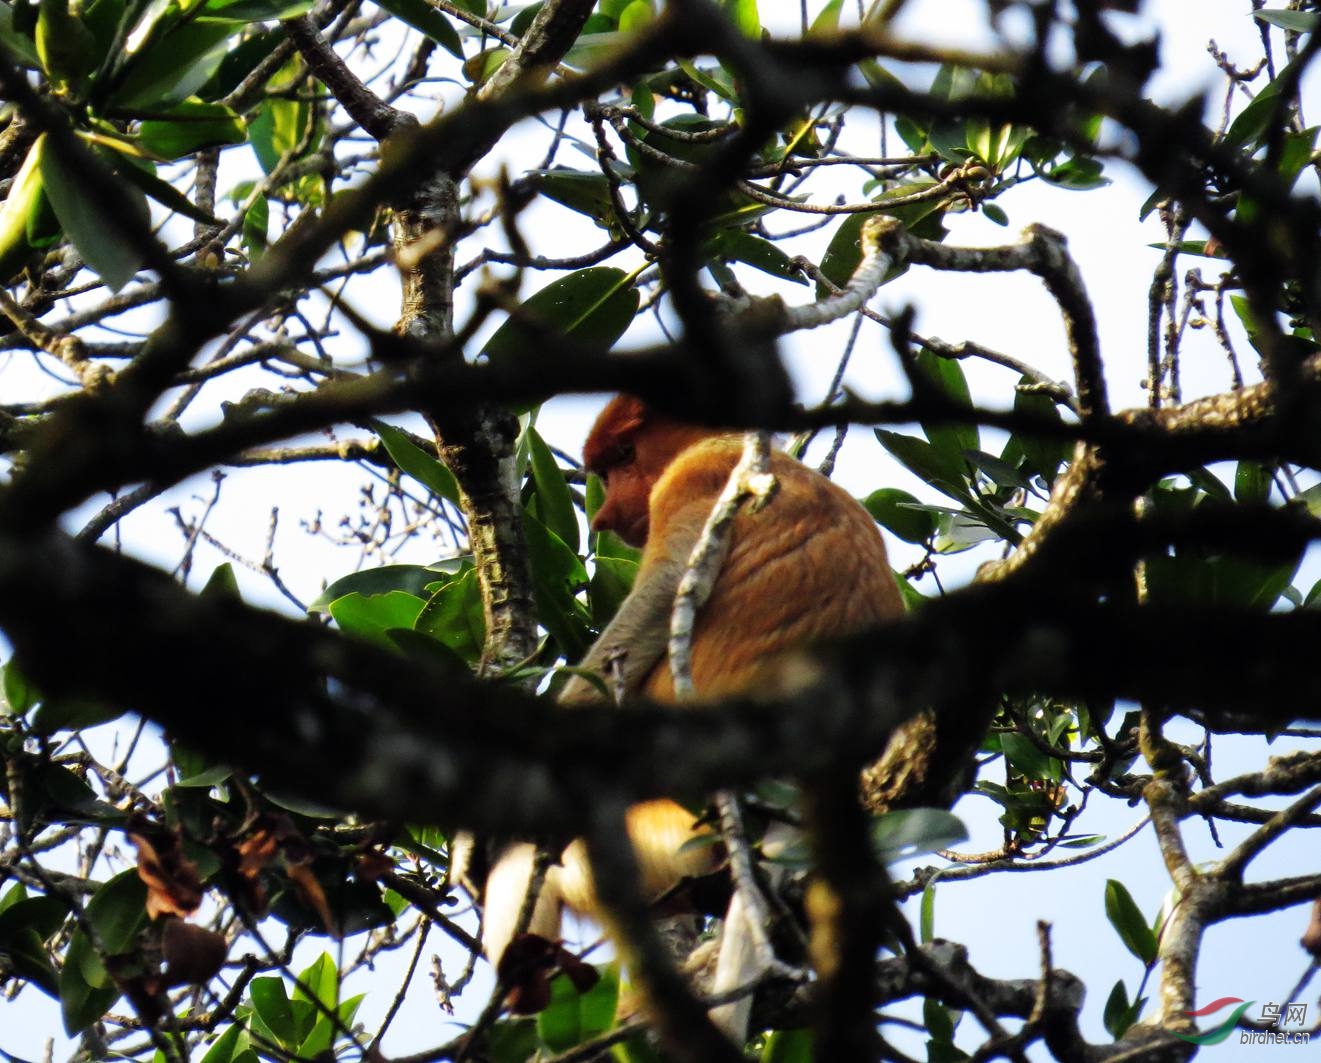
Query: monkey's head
629	447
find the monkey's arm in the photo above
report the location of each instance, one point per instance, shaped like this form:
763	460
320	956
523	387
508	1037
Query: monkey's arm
638	636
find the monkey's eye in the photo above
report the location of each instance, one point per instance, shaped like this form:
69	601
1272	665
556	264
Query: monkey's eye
624	454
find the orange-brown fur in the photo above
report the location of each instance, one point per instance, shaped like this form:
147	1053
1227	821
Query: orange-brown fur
806	567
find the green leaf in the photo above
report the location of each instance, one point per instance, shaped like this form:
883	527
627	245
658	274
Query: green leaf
19	694
191	126
995	213
557	575
221	584
744	15
573	1017
636	16
949	137
594	307
523	20
826	23
1044	456
29	961
897	511
712	79
582	192
256	226
913	135
281	128
67	790
372	617
611	581
413	579
453	616
939	1021
228	1046
1208	483
1297	154
25	925
142	173
606	544
17	892
1126	918
843	254
255	10
1251	125
19	44
927	915
1118	1014
513	1041
95	235
86	991
201	775
430	472
1027	760
1191	578
271	1003
241	60
479	68
174	67
65	46
1085	841
912	597
427	21
1116	1008
960	531
738	246
789	1046
554	500
1294	21
911	832
304	807
1000	472
424	647
1080	173
1253	481
944	470
946	376
319	980
118	912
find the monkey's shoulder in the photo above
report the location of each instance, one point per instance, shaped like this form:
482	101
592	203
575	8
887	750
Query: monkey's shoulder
702	470
699	471
804	505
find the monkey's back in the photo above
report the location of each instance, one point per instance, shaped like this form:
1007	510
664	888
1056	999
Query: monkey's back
807	567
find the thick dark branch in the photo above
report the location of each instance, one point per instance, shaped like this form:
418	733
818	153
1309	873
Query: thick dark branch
376	117
358	727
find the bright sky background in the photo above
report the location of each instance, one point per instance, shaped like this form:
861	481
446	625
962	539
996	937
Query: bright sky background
995	916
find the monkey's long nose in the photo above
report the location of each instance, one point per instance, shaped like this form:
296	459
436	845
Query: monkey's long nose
607	519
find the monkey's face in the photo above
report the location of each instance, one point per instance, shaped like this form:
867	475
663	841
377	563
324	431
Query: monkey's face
627	494
611	451
629	447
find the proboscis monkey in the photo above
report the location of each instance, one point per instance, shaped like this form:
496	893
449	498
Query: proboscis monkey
806	567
